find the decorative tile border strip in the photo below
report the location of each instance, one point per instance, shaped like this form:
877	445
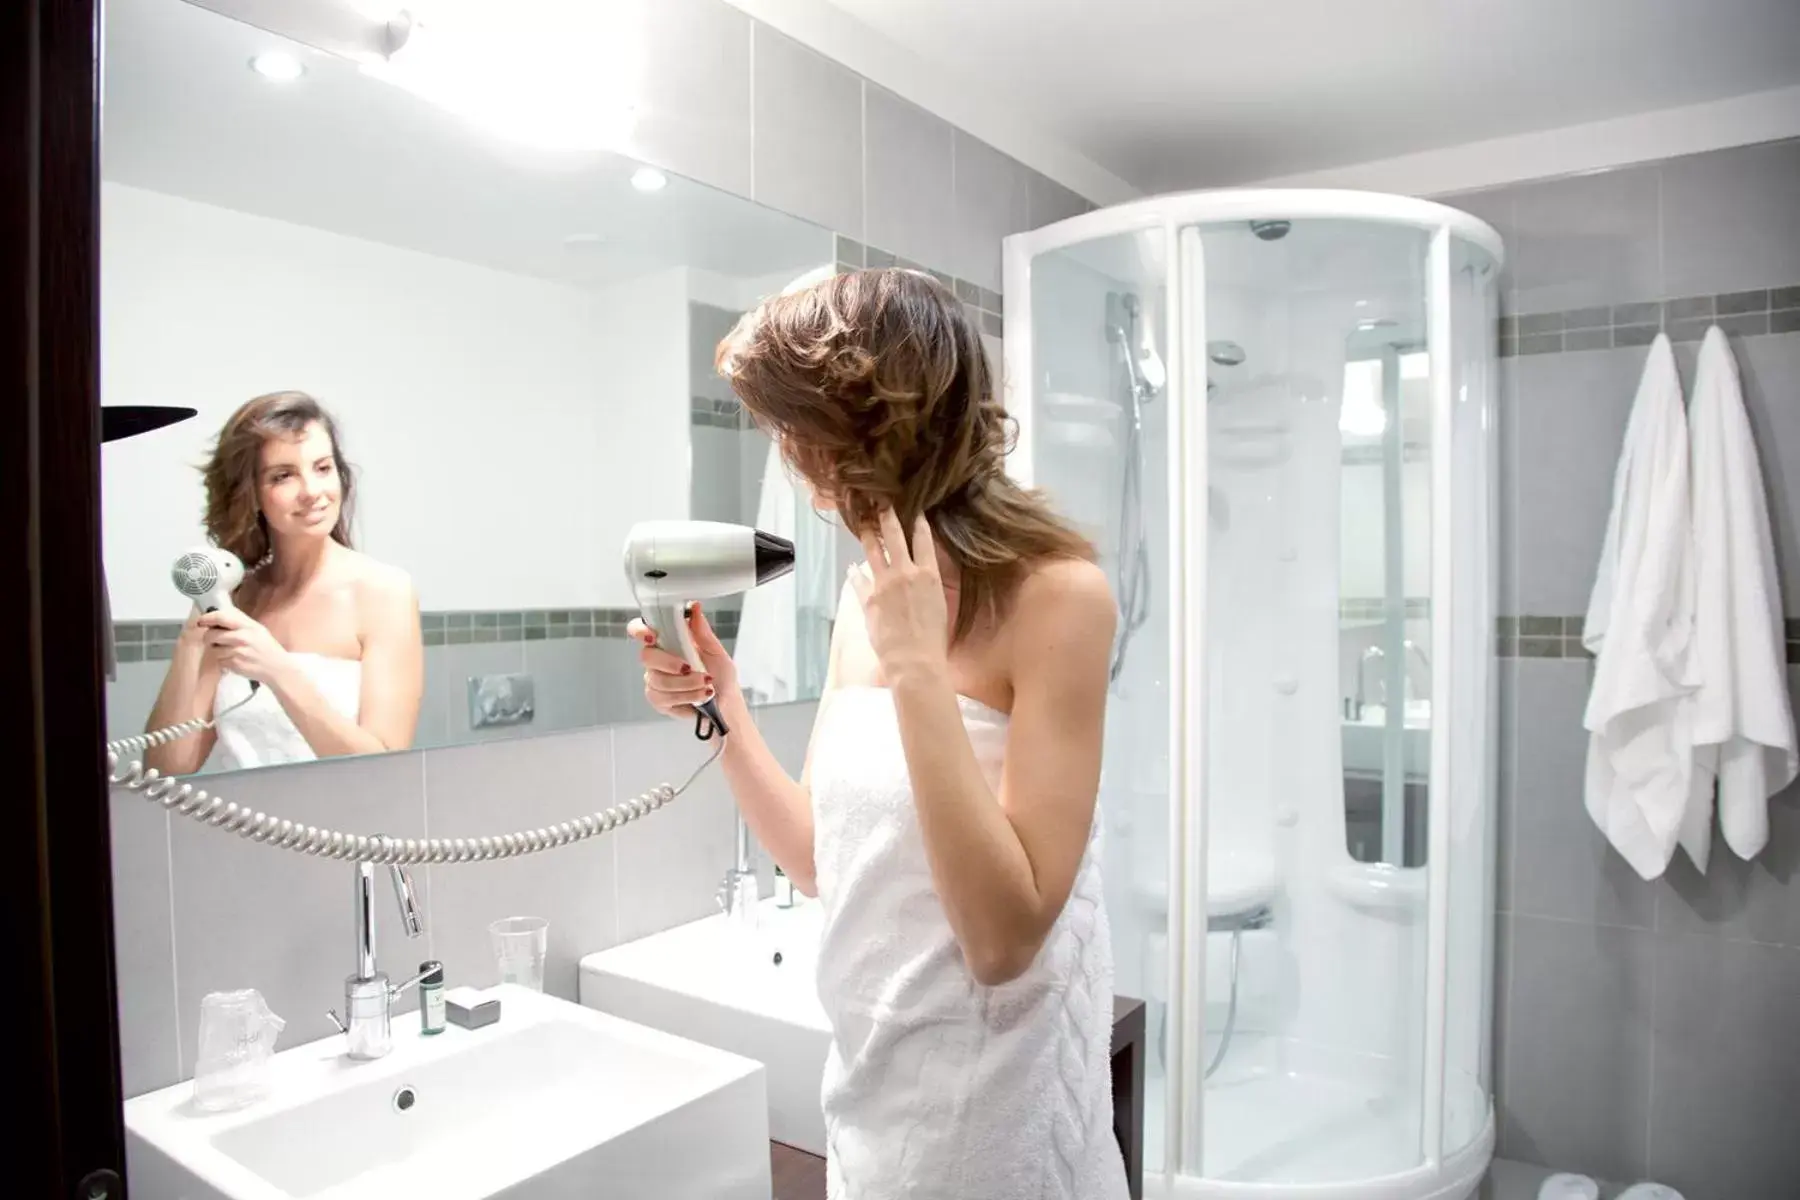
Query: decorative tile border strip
1605	327
1539	637
712	413
1366	456
154	641
1374	608
1560	637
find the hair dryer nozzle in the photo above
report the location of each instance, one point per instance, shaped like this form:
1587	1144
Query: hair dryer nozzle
774	557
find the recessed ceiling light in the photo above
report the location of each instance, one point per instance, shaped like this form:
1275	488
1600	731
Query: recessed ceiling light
648	179
278	66
582	241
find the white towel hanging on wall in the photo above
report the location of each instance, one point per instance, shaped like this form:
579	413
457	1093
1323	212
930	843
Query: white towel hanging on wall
1638	627
1743	723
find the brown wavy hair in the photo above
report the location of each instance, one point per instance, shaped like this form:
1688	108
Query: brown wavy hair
876	388
234	518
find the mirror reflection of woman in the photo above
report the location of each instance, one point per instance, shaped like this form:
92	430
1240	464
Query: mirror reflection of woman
329	634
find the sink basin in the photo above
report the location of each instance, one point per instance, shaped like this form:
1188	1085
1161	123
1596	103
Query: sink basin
1364	744
553	1101
721	985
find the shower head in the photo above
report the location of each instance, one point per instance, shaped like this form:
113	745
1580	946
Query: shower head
1271	231
1144	368
1122	310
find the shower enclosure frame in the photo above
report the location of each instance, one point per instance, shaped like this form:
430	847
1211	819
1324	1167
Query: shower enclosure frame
1179	220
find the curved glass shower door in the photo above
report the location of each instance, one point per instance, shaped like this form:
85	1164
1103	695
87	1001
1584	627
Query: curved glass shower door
1098	426
1315	629
1273	411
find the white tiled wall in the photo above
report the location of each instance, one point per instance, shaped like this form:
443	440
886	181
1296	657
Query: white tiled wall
730	103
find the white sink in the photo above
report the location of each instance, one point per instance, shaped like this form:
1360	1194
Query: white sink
553	1101
715	983
1364	740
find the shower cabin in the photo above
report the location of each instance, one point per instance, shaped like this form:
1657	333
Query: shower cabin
1274	413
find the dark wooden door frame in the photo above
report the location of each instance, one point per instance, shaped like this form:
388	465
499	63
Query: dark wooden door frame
55	860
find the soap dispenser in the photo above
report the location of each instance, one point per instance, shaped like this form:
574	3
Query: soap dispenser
431	997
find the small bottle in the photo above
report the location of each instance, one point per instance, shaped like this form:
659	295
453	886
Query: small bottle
431	997
784	889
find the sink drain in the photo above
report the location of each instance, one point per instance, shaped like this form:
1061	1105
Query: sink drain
405	1098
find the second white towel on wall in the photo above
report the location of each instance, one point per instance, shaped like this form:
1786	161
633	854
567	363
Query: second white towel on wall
1743	724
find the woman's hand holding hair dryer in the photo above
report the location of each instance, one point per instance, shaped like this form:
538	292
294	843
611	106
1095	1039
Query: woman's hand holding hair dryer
671	685
778	810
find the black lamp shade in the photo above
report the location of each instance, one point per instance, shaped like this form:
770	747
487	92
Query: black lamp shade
119	421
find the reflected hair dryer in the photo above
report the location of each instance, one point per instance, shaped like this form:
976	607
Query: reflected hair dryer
208	576
671	564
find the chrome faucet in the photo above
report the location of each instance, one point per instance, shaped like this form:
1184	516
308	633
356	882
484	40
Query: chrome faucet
738	894
1372	654
367	1024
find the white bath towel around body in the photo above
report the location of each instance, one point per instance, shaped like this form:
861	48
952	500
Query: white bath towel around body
1743	723
1639	629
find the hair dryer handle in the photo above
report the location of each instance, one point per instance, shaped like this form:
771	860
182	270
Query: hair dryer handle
673	633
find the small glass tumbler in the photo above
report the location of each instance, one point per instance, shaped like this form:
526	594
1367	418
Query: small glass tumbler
520	945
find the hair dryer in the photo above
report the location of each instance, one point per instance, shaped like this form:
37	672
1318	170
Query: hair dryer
208	576
673	563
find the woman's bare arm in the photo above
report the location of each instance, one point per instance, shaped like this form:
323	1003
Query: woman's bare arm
777	808
1004	865
188	689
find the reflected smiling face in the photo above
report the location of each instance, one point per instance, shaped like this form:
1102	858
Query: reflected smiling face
298	487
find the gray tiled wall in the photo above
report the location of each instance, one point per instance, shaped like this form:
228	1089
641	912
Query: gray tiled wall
1644	1029
730	103
200	911
739	106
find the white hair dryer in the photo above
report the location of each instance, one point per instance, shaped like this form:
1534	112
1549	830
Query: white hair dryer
208	576
672	563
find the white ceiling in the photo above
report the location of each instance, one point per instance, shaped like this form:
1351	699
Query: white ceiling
183	114
1182	93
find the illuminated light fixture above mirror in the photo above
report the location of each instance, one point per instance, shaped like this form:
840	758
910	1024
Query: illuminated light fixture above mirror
544	74
278	66
649	179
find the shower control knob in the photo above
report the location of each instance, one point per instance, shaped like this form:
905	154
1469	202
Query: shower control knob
1287	685
1287	816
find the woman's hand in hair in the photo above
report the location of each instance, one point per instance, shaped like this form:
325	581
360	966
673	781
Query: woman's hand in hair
243	645
903	603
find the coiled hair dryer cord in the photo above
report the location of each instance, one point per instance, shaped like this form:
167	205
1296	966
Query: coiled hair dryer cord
186	800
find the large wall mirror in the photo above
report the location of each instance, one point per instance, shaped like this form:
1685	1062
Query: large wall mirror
515	346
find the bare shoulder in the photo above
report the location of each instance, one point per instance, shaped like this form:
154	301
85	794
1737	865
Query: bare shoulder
1068	602
381	586
1065	589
